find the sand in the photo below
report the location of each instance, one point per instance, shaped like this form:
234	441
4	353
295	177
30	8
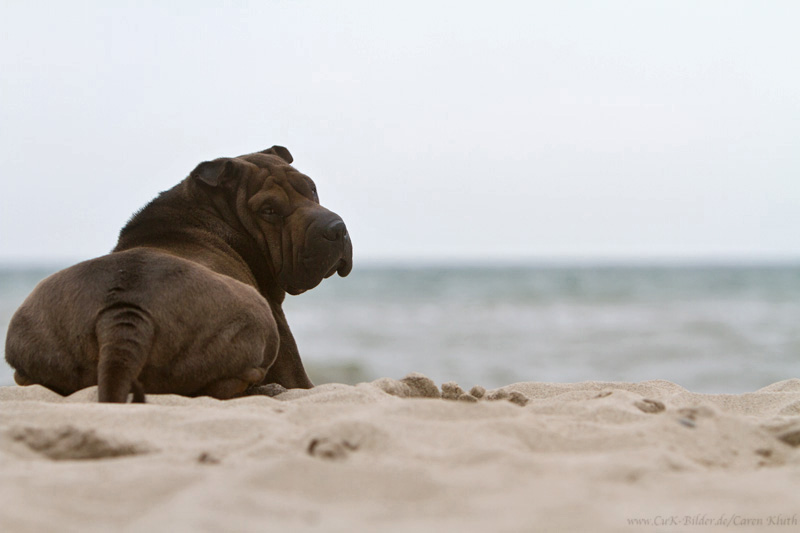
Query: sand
395	456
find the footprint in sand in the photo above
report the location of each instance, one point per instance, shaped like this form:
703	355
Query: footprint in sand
71	443
332	449
649	406
338	440
788	433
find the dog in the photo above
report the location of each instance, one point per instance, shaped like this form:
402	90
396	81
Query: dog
190	300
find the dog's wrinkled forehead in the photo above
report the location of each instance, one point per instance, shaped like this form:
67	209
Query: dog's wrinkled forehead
277	172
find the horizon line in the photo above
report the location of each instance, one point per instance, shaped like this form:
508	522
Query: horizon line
451	261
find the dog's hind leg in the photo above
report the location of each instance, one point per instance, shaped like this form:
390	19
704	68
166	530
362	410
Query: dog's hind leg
226	388
22	380
125	336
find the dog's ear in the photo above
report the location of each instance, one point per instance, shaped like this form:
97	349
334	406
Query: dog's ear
281	152
215	172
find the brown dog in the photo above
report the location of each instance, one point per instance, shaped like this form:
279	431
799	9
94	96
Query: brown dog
189	302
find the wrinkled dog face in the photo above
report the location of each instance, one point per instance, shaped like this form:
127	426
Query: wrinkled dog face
279	206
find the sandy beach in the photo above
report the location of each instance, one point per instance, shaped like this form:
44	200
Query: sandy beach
393	455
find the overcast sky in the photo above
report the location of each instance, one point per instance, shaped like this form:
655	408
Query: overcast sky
437	130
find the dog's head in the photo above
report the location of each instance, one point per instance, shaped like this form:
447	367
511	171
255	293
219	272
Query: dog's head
278	206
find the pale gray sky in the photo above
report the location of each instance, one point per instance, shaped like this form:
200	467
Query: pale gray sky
438	130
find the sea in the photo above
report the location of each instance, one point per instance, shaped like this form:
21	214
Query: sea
709	328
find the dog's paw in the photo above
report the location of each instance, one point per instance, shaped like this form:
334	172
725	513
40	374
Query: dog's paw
271	390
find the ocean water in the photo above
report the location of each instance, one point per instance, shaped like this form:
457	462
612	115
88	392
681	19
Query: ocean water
710	329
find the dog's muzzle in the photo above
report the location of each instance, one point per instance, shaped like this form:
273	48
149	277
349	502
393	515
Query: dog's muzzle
336	232
327	250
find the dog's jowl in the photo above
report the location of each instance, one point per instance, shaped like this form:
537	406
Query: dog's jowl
189	301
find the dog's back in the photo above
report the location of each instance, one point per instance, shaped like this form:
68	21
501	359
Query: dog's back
142	315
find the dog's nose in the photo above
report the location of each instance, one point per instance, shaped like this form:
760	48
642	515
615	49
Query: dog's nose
335	231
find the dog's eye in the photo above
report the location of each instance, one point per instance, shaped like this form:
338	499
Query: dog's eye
313	189
268	212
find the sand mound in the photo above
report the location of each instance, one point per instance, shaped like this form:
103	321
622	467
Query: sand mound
396	455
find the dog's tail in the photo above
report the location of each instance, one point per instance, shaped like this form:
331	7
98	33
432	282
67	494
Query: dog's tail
125	336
